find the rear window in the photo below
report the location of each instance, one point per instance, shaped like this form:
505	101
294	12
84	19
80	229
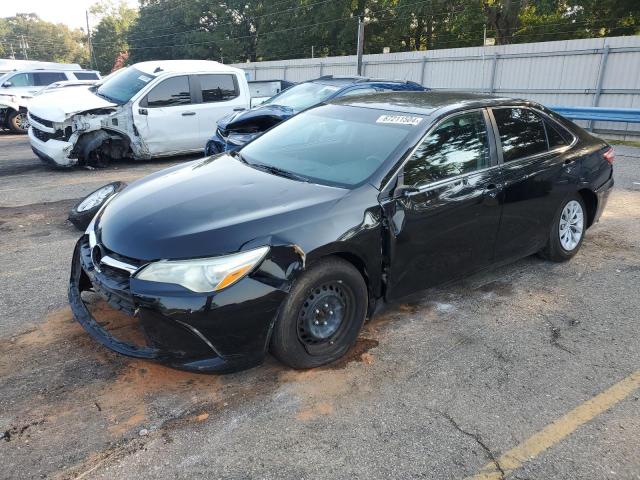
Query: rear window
333	144
86	75
47	78
522	133
218	88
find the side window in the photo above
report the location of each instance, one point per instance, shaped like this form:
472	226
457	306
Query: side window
359	91
22	80
555	138
170	92
86	75
458	145
521	132
218	88
47	78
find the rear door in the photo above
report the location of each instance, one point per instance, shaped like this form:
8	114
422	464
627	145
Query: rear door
447	226
538	172
217	95
166	119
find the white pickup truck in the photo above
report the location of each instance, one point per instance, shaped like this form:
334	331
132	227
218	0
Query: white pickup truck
150	109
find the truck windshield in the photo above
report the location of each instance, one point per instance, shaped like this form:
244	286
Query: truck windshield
124	85
303	96
325	144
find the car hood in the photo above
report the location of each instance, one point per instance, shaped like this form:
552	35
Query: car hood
259	118
60	104
209	207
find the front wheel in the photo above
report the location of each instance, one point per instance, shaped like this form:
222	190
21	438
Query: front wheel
567	231
18	122
322	315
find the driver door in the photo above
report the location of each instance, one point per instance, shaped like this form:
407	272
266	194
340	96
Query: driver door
166	120
445	223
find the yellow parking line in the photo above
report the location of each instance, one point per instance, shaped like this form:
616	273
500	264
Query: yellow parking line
561	428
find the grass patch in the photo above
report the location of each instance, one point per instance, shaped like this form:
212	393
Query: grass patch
627	143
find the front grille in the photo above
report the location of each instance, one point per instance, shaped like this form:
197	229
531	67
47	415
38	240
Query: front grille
110	283
40	135
41	121
46	136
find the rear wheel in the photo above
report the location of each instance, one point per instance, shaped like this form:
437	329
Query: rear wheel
322	316
567	230
18	122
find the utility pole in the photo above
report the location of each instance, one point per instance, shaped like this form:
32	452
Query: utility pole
24	46
311	51
92	55
360	42
13	53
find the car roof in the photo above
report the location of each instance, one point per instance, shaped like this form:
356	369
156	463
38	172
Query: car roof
425	103
159	67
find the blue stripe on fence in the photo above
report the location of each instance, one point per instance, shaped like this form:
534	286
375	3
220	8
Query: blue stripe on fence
600	114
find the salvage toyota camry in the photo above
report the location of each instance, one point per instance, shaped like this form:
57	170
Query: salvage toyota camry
290	244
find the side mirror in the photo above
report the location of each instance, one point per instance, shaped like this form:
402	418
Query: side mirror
7	84
143	111
404	191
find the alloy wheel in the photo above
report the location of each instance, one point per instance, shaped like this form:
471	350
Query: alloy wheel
571	226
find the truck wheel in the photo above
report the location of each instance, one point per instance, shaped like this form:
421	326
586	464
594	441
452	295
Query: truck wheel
322	315
83	212
18	122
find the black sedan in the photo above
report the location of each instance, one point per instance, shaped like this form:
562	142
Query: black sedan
289	244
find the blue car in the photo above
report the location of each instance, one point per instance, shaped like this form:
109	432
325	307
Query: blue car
239	128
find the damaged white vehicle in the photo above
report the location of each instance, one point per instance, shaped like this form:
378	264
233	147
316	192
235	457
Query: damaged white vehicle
151	109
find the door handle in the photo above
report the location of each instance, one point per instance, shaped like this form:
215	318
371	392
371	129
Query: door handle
188	114
239	109
569	161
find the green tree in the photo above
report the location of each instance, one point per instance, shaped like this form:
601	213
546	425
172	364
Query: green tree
109	37
47	41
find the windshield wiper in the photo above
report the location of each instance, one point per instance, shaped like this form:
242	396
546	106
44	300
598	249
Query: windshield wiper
280	172
239	156
97	92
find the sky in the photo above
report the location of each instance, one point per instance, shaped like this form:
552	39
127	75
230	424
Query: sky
70	12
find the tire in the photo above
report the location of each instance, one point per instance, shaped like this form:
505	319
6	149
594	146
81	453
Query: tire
82	213
322	316
563	245
18	122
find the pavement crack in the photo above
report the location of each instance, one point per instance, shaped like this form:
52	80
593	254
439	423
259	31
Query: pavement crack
478	440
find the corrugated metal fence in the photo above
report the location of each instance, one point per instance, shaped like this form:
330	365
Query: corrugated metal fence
591	72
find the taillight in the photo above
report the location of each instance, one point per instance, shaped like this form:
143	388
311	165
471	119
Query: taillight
609	155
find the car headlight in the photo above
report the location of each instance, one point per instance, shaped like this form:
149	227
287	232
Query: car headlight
204	274
240	138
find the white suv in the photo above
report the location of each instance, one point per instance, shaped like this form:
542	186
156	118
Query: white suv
18	87
150	109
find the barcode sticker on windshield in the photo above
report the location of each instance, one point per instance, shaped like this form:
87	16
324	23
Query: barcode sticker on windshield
399	119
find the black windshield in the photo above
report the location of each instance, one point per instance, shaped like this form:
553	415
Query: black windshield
326	144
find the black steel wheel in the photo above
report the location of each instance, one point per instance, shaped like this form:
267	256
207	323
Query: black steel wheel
322	316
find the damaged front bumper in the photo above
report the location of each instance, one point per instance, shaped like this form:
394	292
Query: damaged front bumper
54	152
221	332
